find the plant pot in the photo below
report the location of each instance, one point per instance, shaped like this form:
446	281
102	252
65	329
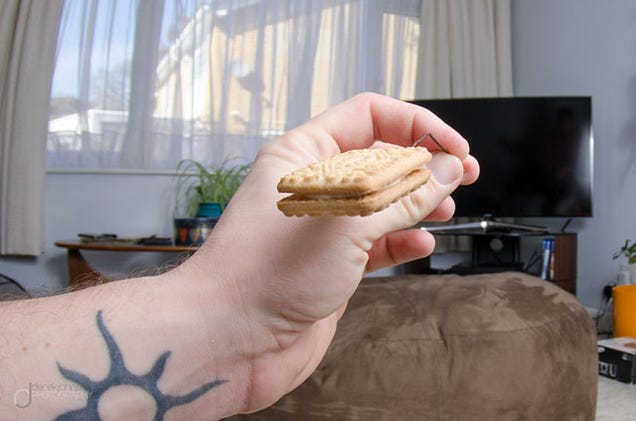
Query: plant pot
209	210
192	231
627	274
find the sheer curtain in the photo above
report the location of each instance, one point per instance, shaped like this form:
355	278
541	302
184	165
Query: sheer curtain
141	85
28	30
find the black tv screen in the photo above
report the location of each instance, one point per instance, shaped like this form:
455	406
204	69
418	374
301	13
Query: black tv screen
535	155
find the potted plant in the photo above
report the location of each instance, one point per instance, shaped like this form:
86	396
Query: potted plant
202	192
627	273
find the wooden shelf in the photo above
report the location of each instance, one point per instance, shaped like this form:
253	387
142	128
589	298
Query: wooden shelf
565	261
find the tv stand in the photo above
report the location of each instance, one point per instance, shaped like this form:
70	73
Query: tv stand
499	251
485	225
470	268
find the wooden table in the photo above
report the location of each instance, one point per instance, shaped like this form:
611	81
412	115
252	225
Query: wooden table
82	274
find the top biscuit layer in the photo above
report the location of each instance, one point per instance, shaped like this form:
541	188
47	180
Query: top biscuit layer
357	171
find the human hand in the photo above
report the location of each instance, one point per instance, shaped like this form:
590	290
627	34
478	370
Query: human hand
294	276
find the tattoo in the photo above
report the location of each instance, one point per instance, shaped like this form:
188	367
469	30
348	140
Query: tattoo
119	375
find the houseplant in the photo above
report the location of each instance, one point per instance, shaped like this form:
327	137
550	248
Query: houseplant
627	273
202	192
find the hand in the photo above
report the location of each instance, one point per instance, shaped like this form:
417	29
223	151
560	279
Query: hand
292	277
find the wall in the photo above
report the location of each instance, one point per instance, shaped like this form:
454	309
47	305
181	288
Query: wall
588	47
128	205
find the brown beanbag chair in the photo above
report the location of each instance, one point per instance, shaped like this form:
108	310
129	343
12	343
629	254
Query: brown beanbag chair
505	346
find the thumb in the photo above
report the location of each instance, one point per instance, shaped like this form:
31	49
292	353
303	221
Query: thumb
446	174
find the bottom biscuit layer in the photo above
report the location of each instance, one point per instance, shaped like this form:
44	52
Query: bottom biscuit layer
297	205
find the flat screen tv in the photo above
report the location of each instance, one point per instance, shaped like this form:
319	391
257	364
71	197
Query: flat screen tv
535	155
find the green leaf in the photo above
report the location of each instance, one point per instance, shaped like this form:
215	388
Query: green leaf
197	183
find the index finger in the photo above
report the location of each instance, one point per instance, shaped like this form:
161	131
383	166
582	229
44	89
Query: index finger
361	120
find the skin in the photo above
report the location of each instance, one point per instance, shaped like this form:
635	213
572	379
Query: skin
249	316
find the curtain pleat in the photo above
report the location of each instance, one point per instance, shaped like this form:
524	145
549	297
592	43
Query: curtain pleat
28	37
305	30
465	49
138	140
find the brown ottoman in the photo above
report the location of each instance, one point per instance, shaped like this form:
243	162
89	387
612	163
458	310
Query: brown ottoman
486	347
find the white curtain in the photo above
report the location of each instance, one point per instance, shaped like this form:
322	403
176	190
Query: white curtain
141	85
465	49
28	32
465	52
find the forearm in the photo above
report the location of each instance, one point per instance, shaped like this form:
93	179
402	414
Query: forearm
146	341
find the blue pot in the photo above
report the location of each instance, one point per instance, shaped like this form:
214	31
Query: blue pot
209	210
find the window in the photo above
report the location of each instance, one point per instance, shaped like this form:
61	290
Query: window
141	85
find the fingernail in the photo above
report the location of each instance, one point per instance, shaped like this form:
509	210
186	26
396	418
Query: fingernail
446	168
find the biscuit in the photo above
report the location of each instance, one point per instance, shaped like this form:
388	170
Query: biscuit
357	182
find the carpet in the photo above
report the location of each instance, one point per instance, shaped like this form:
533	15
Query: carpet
616	400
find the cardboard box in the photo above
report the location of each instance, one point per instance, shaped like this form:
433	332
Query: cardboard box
617	359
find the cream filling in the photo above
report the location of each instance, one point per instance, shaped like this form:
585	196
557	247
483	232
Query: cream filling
348	195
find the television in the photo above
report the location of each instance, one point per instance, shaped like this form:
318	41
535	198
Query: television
535	155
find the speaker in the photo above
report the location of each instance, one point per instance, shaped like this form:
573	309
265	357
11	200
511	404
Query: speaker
494	250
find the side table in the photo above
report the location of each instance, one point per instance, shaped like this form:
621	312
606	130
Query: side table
79	270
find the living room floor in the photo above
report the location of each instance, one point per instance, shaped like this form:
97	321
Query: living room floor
616	400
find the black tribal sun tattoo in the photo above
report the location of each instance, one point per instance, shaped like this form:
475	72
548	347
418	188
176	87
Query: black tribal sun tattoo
119	375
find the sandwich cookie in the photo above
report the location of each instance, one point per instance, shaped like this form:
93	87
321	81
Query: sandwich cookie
356	182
